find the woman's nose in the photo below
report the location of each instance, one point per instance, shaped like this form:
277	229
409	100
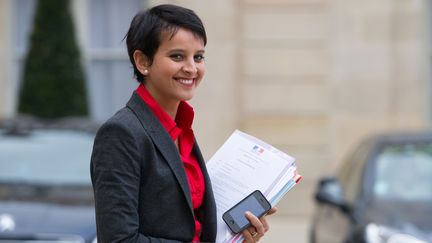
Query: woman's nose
190	67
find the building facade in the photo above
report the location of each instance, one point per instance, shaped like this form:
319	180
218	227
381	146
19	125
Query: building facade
311	77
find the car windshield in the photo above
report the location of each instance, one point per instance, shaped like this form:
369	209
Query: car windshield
404	172
46	157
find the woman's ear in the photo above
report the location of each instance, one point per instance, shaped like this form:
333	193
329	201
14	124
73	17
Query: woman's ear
141	62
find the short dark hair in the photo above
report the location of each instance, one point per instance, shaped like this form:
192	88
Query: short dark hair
146	29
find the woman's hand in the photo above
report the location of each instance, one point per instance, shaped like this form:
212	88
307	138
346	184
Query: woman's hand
259	226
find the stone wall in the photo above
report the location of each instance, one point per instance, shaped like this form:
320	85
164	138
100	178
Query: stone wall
286	71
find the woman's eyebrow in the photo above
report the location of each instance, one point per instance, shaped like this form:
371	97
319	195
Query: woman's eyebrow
176	50
181	50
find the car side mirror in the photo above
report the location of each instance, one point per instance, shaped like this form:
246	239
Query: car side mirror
330	192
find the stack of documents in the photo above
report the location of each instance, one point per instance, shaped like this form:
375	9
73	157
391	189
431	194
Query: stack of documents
242	165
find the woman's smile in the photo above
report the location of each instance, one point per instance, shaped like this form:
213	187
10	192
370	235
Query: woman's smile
186	82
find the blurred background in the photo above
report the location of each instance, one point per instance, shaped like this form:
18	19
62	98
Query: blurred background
310	77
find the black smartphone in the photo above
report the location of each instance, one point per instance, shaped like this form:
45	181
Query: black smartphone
255	203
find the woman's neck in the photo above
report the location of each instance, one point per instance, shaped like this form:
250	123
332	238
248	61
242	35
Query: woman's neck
170	106
170	109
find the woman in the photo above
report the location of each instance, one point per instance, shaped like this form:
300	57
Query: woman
149	177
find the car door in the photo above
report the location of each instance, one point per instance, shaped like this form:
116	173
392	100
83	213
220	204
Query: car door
331	225
334	225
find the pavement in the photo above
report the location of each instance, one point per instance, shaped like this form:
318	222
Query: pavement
284	229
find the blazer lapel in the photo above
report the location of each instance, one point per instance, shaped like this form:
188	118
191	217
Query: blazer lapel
209	220
163	141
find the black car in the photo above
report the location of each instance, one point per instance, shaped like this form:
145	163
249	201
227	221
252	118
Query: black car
381	194
45	187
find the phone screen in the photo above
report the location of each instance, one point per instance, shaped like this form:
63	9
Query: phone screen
256	203
249	204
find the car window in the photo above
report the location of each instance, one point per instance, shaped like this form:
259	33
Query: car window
46	157
404	172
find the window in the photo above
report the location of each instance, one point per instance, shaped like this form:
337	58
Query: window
404	172
108	70
22	19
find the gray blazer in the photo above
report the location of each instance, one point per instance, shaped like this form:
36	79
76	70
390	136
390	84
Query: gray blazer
140	185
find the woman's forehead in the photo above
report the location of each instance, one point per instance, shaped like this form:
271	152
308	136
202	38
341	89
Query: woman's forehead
181	37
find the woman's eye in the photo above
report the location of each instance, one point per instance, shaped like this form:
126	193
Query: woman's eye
176	57
199	58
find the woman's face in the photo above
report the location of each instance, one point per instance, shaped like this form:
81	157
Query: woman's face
177	68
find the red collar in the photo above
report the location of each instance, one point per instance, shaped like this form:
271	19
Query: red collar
184	116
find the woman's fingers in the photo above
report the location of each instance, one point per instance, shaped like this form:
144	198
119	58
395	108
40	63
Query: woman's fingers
265	224
254	232
264	219
272	211
256	223
250	234
247	235
258	226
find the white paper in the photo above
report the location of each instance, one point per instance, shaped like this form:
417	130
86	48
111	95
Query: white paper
242	165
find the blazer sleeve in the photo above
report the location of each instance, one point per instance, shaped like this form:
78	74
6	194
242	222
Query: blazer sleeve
115	173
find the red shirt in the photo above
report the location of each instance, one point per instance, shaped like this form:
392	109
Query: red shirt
181	129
